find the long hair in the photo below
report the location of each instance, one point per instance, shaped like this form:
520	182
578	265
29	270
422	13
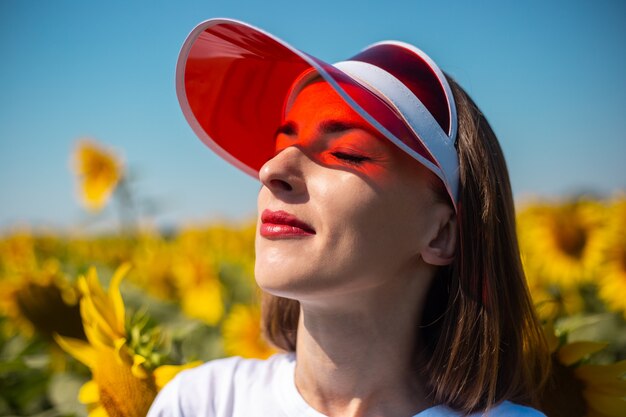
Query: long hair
480	341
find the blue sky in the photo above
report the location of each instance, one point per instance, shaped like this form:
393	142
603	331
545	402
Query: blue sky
548	75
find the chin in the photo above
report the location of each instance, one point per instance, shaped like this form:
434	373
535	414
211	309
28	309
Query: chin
273	280
287	281
277	268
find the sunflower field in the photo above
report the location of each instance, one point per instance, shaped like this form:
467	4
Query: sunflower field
97	325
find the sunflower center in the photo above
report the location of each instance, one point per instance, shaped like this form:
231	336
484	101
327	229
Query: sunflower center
44	307
571	238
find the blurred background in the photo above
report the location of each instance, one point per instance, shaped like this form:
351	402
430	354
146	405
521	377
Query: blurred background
127	247
548	75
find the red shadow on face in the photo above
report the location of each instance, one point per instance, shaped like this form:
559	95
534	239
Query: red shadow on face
329	132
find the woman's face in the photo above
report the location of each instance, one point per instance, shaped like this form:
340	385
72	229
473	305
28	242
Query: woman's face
341	209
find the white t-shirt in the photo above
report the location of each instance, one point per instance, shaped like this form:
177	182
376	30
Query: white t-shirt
236	387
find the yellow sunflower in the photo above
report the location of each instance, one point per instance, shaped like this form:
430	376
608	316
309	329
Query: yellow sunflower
40	300
581	389
152	260
562	243
122	385
98	170
17	252
197	281
233	245
203	301
612	281
241	333
552	302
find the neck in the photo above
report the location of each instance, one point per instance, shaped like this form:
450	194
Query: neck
356	353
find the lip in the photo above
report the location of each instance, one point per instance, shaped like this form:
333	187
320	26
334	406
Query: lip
280	224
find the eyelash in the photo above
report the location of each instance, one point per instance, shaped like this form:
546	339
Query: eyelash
350	158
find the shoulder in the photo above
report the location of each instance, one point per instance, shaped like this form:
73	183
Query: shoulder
509	409
504	409
209	389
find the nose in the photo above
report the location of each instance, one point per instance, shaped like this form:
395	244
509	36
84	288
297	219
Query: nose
283	173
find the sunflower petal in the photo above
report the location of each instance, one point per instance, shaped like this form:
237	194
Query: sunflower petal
576	351
116	297
606	404
601	373
99	171
121	353
81	284
137	369
165	373
99	303
92	284
97	310
96	334
616	387
98	412
98	323
82	351
89	393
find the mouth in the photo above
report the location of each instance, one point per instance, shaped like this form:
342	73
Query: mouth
280	224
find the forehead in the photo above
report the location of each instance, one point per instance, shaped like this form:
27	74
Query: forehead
320	101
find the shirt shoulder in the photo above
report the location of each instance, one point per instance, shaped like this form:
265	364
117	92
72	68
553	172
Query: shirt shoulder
504	409
509	409
215	388
191	392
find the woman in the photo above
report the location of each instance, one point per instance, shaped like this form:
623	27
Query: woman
386	241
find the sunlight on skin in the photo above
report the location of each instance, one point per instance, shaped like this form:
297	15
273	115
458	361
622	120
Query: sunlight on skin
357	191
360	270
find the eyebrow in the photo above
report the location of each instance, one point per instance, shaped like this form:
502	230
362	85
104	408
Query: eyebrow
290	128
338	126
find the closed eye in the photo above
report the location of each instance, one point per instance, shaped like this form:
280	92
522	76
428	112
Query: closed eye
350	158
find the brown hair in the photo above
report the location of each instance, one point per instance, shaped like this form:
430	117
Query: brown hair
481	342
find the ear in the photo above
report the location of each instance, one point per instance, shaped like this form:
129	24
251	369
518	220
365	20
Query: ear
442	246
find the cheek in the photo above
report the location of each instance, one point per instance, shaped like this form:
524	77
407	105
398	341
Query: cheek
371	223
403	223
364	228
262	199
